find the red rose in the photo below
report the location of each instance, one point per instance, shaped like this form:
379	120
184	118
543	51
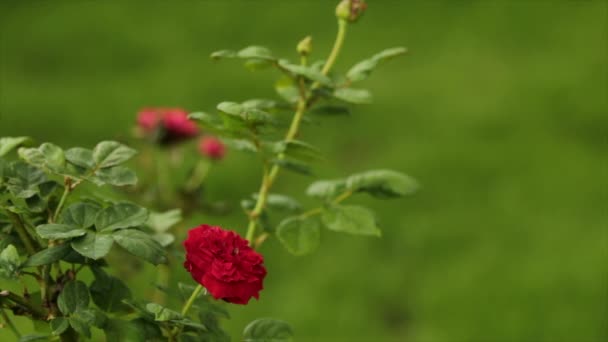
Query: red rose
224	264
212	147
166	125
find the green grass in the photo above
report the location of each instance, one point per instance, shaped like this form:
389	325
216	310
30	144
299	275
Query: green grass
499	111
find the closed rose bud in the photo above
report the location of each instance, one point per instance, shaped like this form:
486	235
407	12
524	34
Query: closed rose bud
212	147
147	119
224	263
304	47
350	10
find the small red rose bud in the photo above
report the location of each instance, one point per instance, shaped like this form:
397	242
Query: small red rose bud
212	147
224	263
147	119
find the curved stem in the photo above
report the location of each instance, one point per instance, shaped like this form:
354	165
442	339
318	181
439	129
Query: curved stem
294	127
64	196
190	301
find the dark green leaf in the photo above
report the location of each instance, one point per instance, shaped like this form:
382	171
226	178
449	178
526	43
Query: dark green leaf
80	326
48	256
23	179
297	149
350	219
331	110
120	330
119	216
93	245
382	183
267	330
59	325
81	214
54	231
357	96
140	244
74	296
299	235
111	153
109	292
326	188
293	165
8	144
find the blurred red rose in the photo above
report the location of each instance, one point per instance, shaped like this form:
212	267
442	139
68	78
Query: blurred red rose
166	125
224	264
147	119
176	122
212	147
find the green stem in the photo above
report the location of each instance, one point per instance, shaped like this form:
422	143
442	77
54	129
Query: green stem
9	323
200	172
64	196
269	178
36	312
22	232
185	309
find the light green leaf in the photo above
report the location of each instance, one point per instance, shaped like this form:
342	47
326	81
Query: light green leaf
47	156
231	108
257	52
34	338
54	231
9	262
306	72
161	222
81	157
382	183
111	153
281	202
350	219
162	313
223	54
117	176
8	144
357	96
48	256
80	214
363	69
286	88
119	216
140	244
326	188
297	149
241	145
92	245
267	330
299	235
74	296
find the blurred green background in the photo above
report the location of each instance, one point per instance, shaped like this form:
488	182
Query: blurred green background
499	110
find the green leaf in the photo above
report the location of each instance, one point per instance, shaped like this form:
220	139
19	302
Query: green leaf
109	292
164	239
281	202
241	145
23	179
306	72
80	157
119	216
9	262
207	120
293	165
356	96
231	108
80	214
299	235
326	188
111	153
223	54
74	296
93	245
80	326
48	256
162	313
331	110
117	176
267	330
257	52
297	149
47	156
54	231
59	325
286	88
34	338
140	244
363	69
382	183
350	219
161	222
8	144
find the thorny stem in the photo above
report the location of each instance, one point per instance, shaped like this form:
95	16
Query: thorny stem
303	101
9	323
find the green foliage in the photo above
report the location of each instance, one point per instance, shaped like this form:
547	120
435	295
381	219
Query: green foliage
299	235
7	144
363	69
48	255
350	219
140	244
9	262
267	329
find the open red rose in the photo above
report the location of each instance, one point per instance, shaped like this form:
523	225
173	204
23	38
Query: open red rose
224	264
212	147
166	125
